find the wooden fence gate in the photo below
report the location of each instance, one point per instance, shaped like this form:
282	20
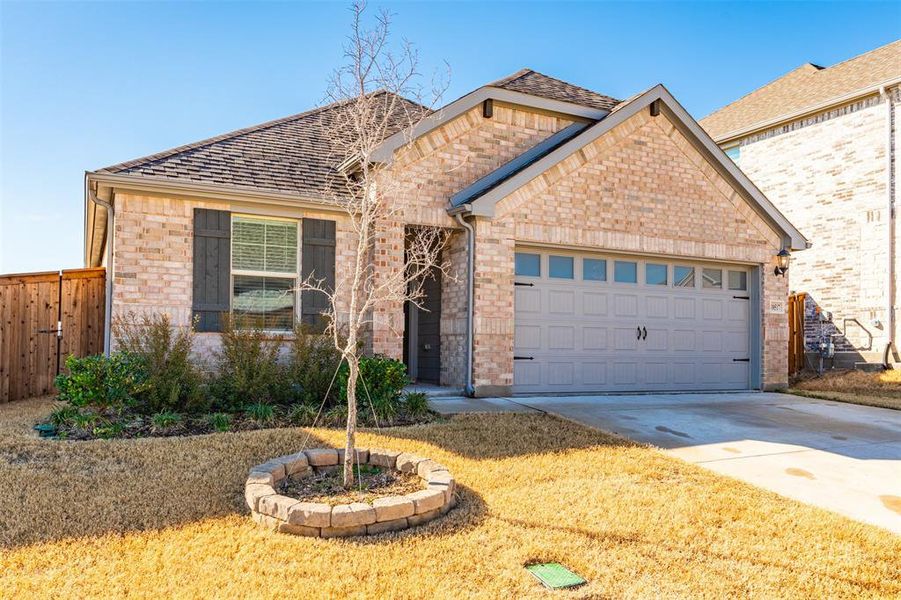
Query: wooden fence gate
45	317
796	333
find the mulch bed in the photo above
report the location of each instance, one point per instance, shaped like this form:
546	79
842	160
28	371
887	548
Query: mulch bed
370	484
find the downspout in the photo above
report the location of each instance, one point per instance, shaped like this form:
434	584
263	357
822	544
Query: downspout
110	237
887	359
469	389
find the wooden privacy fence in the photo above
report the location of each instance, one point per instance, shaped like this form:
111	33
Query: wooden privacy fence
796	333
45	317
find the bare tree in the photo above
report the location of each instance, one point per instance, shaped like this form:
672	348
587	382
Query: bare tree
376	96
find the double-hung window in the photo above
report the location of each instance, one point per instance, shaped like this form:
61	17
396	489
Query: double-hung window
264	272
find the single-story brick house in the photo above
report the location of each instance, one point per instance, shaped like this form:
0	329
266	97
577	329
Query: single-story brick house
822	143
613	245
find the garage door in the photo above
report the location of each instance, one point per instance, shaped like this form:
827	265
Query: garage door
607	323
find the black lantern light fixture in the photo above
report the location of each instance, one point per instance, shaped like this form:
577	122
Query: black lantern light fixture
782	260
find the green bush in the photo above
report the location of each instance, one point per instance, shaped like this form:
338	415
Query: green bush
381	381
103	383
165	420
416	404
108	430
312	366
260	412
64	415
336	415
173	382
248	369
302	414
220	421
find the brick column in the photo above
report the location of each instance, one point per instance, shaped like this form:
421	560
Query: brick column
493	315
388	317
774	328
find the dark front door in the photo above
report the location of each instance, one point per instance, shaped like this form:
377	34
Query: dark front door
422	349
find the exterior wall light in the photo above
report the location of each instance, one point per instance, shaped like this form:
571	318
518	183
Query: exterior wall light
782	260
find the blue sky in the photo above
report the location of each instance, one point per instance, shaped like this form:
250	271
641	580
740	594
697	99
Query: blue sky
85	85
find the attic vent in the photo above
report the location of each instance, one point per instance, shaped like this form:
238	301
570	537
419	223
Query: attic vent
488	108
655	108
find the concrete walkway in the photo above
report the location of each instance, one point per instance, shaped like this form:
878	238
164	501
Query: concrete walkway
842	457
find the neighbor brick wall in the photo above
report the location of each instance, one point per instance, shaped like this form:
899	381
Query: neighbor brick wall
827	174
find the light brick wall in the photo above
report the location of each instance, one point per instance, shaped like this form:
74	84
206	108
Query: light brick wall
827	174
154	240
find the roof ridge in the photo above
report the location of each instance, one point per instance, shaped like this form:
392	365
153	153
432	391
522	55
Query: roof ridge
575	85
861	55
163	154
511	78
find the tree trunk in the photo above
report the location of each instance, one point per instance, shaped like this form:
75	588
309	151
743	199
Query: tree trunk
349	446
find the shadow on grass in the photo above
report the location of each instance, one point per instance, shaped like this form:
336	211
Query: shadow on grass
487	436
52	490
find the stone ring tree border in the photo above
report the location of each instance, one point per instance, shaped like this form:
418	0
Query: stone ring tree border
393	513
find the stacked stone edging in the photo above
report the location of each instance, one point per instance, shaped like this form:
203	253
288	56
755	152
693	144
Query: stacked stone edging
392	513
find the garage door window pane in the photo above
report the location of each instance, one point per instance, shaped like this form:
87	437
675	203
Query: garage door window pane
684	276
738	280
655	274
528	265
712	278
594	269
560	267
625	271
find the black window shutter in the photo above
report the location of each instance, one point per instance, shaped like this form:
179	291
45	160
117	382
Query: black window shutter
317	257
212	267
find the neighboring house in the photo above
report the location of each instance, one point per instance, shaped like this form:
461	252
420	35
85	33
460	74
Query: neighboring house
822	144
616	248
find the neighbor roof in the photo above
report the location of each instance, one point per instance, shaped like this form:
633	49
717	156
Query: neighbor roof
808	86
294	155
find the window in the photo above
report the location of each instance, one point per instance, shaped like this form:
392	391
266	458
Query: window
683	276
734	153
655	274
712	278
528	265
560	267
738	280
625	271
594	269
264	272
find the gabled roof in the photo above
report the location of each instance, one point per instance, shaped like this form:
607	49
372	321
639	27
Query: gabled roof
532	82
294	155
483	203
807	87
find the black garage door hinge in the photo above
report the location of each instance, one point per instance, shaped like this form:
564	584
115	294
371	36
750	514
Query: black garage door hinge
523	358
741	360
741	297
524	284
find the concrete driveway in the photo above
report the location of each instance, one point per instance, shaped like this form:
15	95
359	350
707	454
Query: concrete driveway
842	457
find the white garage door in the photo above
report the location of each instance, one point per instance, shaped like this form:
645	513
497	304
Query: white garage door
606	323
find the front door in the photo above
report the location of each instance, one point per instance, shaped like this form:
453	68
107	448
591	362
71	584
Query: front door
422	343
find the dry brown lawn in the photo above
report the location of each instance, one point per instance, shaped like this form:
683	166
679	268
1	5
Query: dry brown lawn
165	517
870	389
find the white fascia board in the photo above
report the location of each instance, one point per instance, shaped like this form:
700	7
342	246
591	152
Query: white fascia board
385	152
484	205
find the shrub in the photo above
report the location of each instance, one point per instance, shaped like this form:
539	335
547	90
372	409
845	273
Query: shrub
313	363
248	369
416	404
108	430
260	412
165	420
302	414
64	415
85	420
220	421
173	382
101	382
336	415
382	380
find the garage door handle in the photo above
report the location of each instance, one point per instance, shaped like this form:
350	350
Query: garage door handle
644	331
639	332
741	360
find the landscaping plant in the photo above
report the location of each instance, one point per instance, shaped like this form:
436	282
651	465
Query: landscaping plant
248	370
372	89
103	383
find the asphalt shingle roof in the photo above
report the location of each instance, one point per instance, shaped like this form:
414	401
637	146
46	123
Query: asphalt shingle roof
297	155
806	86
